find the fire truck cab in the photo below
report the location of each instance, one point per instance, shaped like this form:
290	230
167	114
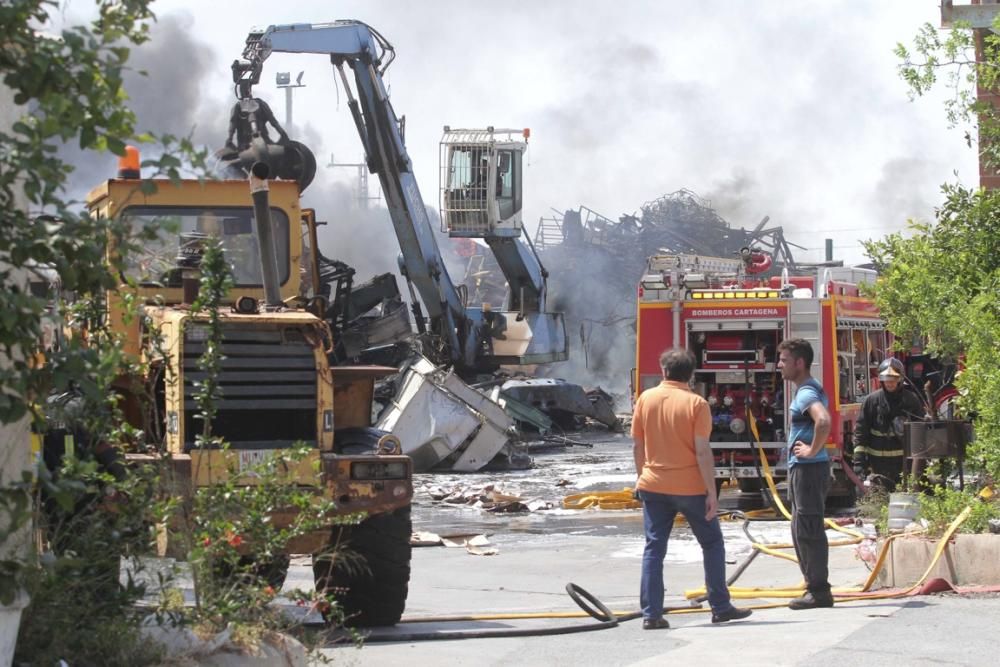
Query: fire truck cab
733	320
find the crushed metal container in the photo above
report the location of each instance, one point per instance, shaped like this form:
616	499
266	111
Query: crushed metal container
444	423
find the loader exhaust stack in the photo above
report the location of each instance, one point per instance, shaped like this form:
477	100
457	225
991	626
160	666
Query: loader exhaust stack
265	238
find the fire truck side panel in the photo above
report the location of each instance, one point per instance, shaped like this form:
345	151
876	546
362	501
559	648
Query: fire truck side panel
654	334
829	364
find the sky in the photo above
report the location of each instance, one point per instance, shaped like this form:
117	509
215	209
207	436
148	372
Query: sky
791	110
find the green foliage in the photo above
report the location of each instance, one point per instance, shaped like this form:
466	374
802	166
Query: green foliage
215	283
238	547
942	504
71	86
88	522
953	55
874	506
940	281
939	284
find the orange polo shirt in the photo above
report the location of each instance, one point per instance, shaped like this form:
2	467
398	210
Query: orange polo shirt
668	417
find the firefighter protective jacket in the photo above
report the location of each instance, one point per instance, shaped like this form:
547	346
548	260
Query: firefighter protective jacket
879	430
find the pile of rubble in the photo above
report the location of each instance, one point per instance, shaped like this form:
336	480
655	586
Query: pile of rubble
489	498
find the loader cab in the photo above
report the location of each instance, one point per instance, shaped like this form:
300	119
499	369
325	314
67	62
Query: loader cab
481	182
159	220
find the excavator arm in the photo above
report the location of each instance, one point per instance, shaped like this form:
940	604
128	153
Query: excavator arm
473	337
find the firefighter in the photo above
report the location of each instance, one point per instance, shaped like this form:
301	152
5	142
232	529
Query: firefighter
878	436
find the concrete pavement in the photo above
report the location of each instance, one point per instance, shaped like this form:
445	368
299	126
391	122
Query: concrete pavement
530	576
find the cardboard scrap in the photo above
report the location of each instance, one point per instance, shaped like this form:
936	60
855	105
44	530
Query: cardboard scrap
425	539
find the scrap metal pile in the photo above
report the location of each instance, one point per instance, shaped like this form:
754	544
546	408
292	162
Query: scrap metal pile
594	264
680	222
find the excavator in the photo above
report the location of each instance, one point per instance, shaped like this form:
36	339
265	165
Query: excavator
481	197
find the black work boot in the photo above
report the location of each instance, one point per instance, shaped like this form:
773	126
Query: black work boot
812	601
655	623
731	614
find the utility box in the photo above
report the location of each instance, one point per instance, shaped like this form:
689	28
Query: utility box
936	439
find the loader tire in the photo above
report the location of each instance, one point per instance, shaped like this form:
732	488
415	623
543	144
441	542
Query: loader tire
371	581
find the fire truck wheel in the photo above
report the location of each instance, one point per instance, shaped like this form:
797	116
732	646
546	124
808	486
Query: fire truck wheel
749	485
369	571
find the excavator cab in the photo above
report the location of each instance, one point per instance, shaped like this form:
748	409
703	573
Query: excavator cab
481	177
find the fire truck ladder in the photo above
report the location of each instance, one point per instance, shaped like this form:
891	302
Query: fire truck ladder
694	264
804	322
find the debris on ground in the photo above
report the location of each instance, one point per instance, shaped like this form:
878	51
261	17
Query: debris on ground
566	404
475	544
489	498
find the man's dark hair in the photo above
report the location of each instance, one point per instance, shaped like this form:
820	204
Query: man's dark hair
677	364
799	348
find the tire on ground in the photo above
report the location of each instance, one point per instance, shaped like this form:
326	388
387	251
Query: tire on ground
371	580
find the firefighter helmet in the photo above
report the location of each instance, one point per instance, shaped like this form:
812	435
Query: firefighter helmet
891	368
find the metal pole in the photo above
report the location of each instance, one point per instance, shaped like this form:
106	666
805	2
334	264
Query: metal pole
265	235
288	108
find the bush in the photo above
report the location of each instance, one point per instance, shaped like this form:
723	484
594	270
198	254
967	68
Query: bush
80	609
941	504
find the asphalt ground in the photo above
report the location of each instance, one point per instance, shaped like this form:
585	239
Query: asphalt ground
538	553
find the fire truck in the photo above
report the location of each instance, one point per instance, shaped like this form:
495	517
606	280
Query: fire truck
733	319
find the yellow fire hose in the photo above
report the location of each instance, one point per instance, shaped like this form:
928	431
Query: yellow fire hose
615	500
842	594
624	500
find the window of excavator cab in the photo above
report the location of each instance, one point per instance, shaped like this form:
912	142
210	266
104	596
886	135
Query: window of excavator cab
465	169
154	263
509	183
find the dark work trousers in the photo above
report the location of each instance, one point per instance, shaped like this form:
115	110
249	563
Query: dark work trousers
890	467
808	484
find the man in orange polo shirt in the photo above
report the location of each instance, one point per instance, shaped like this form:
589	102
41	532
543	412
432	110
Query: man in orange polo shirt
670	426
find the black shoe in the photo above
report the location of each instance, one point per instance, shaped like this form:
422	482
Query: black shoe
811	601
655	623
731	614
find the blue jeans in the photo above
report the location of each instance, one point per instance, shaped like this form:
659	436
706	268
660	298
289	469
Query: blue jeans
658	513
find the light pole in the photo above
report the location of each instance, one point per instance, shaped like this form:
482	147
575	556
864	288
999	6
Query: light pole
362	167
284	80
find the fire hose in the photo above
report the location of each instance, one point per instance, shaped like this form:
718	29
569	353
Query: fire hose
605	618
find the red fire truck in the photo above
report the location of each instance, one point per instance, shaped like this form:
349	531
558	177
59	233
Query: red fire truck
733	320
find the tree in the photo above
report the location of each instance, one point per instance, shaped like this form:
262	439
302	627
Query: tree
968	61
59	89
939	281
